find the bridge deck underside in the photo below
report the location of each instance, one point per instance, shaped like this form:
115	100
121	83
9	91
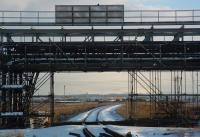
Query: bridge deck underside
100	56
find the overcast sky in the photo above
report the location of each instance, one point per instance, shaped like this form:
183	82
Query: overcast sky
133	4
101	83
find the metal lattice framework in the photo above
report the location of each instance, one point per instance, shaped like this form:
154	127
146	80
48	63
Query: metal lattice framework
27	51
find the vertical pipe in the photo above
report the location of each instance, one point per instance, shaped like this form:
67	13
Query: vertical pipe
160	83
136	90
193	97
174	86
3	109
15	94
52	97
0	89
134	94
154	97
181	92
20	94
197	90
155	79
85	57
171	85
1	38
175	96
131	99
1	97
150	101
122	47
9	94
127	103
185	75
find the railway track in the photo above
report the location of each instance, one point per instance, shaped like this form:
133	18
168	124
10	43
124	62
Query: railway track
93	116
98	113
90	114
106	132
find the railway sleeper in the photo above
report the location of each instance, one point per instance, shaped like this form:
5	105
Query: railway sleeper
113	133
105	135
87	133
74	134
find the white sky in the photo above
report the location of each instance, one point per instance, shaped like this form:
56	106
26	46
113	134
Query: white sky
49	4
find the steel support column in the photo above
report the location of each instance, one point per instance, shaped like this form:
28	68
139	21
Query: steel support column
52	97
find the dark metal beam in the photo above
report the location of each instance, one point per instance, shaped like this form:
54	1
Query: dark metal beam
100	24
101	32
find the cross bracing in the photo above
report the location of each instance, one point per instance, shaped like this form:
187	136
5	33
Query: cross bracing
144	40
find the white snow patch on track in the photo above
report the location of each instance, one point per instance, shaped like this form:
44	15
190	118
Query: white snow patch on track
79	117
110	114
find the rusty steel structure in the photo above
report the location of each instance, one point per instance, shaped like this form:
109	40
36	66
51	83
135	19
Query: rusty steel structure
32	42
178	104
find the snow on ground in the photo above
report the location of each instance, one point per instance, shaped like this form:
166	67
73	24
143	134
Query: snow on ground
79	117
110	114
158	131
63	131
106	113
93	115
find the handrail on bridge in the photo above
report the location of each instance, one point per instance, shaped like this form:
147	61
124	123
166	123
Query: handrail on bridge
129	16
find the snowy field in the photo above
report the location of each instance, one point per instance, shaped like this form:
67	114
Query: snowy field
63	131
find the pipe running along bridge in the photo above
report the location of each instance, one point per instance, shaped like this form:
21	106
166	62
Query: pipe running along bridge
88	38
